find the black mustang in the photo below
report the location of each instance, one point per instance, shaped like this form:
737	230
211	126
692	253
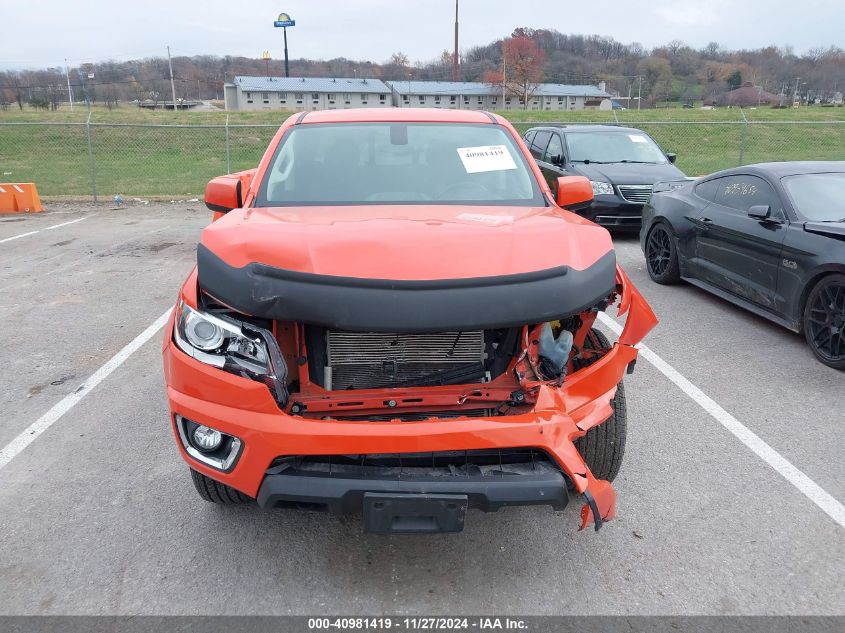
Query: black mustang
768	237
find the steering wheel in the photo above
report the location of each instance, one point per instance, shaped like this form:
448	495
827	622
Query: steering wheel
449	193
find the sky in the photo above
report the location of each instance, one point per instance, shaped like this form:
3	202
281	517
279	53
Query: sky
43	33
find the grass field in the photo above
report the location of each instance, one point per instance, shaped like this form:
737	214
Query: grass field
133	157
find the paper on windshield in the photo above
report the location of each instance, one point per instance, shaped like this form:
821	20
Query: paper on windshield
486	158
638	138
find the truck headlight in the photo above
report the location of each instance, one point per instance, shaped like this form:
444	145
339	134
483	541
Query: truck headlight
221	343
601	188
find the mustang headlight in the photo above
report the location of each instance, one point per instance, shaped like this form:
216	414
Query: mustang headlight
601	188
215	341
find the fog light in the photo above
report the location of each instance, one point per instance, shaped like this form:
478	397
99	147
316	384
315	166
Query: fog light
206	439
209	446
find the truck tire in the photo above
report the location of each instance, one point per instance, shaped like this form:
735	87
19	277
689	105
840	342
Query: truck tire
604	445
215	492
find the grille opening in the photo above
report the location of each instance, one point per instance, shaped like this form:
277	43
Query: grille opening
415	416
635	193
495	462
340	360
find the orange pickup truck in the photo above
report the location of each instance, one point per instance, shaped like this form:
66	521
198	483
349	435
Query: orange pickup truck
393	315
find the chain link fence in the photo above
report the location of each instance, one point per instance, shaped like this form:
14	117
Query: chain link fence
99	160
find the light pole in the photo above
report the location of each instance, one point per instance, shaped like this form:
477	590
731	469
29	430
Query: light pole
640	92
455	60
69	92
283	22
172	85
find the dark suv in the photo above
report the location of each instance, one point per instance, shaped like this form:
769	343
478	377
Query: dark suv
622	163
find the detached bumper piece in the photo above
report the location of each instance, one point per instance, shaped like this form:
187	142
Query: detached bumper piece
415	492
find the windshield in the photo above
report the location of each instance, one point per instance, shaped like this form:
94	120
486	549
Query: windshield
613	147
818	197
399	163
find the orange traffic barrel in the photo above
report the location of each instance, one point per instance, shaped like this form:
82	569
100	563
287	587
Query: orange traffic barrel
19	197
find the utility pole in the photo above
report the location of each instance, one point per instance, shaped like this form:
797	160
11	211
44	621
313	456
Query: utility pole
455	69
504	75
640	92
69	92
172	85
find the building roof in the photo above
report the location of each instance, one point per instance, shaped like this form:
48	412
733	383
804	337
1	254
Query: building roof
345	84
746	95
563	90
443	87
481	88
311	84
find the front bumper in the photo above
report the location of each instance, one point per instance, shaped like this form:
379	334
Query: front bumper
614	212
343	494
246	410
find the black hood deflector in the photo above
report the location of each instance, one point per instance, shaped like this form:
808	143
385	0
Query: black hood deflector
386	305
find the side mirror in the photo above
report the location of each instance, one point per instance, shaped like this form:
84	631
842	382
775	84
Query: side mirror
760	212
222	194
671	156
574	192
558	160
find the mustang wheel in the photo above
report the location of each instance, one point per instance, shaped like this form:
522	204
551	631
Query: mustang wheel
215	492
824	321
661	256
604	445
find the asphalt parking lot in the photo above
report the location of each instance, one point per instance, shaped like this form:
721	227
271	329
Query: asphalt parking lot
98	514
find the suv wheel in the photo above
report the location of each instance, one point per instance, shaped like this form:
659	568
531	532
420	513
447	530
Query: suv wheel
604	445
824	321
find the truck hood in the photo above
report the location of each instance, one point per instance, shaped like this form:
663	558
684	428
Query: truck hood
407	242
406	268
628	173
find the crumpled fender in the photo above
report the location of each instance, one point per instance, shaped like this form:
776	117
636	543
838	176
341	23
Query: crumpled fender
587	397
641	319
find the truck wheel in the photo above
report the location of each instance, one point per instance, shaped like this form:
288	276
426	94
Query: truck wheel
604	445
215	492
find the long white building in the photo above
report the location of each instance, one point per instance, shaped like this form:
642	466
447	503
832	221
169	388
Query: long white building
305	93
321	93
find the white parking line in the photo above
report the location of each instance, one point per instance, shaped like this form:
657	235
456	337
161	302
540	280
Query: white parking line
49	228
782	466
28	436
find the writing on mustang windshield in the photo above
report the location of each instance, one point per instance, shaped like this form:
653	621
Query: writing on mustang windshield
399	163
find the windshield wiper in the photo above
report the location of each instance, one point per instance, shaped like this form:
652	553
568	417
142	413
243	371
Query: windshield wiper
587	161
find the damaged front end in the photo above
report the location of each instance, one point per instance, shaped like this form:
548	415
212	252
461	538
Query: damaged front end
510	352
